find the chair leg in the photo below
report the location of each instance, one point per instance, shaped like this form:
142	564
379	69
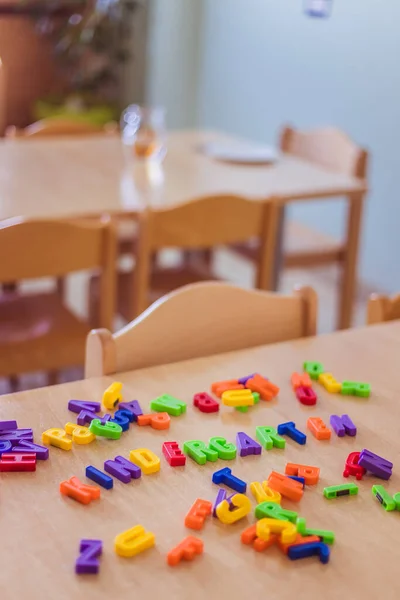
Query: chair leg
278	260
13	381
349	275
52	378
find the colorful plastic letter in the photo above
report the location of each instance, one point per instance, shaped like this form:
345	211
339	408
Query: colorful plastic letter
221	495
378	466
356	388
300	380
396	498
249	536
169	404
286	487
329	382
186	550
87	561
262	386
244	380
269	438
17	462
199	452
173	454
133	541
318	428
224	450
16	435
272	510
109	430
383	497
197	515
219	387
305	550
352	467
158	421
8	425
306	396
347	489
42	453
328	537
310	474
245	409
258	492
123	417
287	530
112	395
87	416
224	476
247	445
343	425
241	507
77	405
56	437
272	495
314	369
6	447
290	430
80	435
122	469
237	398
134	408
205	403
74	488
146	460
99	477
299	541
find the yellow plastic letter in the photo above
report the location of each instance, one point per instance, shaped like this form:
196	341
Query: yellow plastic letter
112	395
238	398
56	437
272	495
329	382
146	460
265	527
80	434
258	492
227	516
132	542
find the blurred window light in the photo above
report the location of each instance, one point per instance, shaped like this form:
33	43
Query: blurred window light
318	8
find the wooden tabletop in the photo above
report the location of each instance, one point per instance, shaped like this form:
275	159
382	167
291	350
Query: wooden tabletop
41	530
72	177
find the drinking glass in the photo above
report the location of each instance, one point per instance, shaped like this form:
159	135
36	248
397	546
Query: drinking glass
143	132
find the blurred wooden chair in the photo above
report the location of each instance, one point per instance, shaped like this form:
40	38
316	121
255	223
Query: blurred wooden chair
200	320
201	224
382	308
37	331
59	126
333	150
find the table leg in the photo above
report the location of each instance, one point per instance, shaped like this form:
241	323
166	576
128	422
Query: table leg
349	274
278	260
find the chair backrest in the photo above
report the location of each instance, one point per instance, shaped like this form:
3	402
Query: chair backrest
200	320
204	223
328	147
59	126
382	308
34	249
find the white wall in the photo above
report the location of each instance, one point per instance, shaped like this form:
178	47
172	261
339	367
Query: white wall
263	63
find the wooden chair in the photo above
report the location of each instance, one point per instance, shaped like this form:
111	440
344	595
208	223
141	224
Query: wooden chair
333	150
37	331
200	224
382	308
200	320
59	126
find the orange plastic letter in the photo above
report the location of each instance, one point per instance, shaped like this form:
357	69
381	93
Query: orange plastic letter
156	420
198	514
318	428
79	491
289	488
300	380
264	387
186	550
310	474
219	387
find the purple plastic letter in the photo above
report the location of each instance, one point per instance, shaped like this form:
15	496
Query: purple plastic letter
87	561
246	444
42	453
133	406
342	425
122	469
5	446
77	405
8	425
87	416
17	435
375	464
244	380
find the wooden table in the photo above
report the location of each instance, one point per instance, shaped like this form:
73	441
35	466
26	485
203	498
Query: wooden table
41	530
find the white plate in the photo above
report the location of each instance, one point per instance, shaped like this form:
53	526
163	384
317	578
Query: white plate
240	153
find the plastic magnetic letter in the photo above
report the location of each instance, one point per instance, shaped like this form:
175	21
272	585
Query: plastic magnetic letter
157	421
328	537
133	541
272	495
88	561
396	498
6	447
198	513
16	435
352	467
57	437
169	404
356	388
329	382
286	487
318	428
173	454
199	452
79	433
306	396
244	409
224	450
300	380
269	438
244	380
123	469
109	430
310	474
42	453
298	542
247	445
262	386
287	530
343	425
383	497
99	477
257	490
146	460
272	510
378	466
186	550
314	549
112	395
219	387
347	489
87	416
231	512
205	403
300	479
77	405
290	430
225	477
133	406
237	398
74	488
17	462
8	425
314	369
123	417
